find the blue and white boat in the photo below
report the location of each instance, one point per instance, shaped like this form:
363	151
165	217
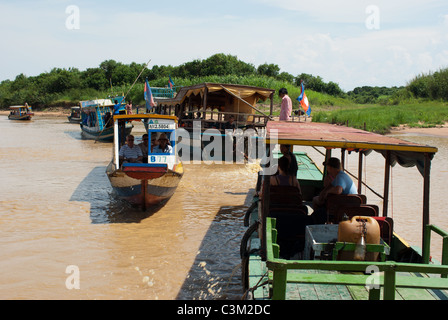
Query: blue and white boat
155	180
96	119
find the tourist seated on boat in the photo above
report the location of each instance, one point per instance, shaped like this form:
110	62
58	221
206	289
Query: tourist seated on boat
130	152
154	141
283	178
163	146
336	182
144	145
285	149
230	124
108	119
118	108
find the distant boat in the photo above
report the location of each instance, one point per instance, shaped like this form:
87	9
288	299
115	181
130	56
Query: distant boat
96	119
154	180
211	107
75	115
20	112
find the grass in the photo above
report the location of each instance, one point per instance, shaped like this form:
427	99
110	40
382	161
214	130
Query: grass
380	119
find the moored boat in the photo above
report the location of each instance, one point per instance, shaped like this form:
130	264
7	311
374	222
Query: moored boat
20	112
286	254
154	180
75	115
96	119
212	109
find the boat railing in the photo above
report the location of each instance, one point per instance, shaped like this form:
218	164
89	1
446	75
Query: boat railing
167	93
279	275
218	119
426	252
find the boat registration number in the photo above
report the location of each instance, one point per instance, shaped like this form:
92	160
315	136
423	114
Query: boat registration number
159	126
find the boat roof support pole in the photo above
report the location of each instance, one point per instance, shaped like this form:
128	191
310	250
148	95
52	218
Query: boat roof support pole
386	184
116	145
360	173
242	100
343	158
204	105
327	156
272	104
264	210
426	187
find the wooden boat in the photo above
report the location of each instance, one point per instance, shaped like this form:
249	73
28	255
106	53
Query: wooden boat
154	181
285	255
75	115
209	106
20	112
96	119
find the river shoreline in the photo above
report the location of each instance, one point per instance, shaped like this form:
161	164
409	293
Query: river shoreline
437	131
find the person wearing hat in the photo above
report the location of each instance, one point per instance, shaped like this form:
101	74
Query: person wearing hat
336	182
163	146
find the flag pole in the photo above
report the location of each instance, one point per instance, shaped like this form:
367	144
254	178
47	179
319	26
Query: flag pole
146	65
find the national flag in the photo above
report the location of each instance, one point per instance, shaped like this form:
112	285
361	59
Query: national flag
171	83
148	96
304	102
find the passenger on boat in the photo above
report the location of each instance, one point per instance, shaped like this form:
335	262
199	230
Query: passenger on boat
164	146
337	182
286	106
285	149
108	119
154	141
144	147
130	152
118	108
230	125
283	178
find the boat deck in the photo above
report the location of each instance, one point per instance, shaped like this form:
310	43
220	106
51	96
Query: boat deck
310	291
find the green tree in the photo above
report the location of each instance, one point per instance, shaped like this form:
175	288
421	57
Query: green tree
270	70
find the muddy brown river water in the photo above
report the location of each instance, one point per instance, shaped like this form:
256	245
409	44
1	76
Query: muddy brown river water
63	235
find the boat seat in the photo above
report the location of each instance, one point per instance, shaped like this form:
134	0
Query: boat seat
386	228
335	201
351	211
291	232
285	198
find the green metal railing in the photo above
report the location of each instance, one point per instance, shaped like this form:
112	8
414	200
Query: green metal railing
427	243
389	281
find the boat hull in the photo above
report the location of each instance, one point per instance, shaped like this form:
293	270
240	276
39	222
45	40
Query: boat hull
22	117
74	119
144	192
103	135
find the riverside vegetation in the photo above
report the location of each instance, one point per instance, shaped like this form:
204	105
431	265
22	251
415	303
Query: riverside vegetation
422	102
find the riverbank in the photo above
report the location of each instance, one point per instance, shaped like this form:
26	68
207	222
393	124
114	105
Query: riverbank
50	112
436	131
441	130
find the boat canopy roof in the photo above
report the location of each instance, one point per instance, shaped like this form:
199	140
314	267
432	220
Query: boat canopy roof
18	107
143	116
326	135
248	93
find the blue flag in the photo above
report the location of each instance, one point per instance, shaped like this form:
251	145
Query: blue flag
304	102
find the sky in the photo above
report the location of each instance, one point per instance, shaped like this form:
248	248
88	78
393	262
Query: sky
353	43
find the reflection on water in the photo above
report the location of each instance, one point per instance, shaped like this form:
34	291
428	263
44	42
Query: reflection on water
57	209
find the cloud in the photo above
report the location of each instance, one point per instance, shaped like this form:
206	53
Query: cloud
322	38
